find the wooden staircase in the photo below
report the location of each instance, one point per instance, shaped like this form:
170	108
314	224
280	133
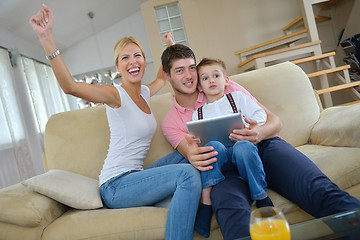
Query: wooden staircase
344	83
299	47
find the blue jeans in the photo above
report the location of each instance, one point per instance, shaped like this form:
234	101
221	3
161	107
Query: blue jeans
244	155
289	173
146	187
172	158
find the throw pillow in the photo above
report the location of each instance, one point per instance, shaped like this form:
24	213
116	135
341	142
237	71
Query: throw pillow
71	189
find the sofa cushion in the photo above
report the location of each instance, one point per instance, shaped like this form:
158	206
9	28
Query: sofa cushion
160	105
338	126
77	141
16	232
127	223
287	92
79	138
68	188
22	207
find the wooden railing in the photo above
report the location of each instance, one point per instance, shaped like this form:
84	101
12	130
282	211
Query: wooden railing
282	50
279	40
299	19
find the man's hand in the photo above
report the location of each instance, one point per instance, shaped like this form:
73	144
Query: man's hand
199	157
251	133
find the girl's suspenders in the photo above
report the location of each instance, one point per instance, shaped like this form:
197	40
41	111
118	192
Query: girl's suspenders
231	101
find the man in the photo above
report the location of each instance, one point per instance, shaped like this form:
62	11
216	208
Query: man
289	172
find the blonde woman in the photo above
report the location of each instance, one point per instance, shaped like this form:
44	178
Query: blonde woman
123	181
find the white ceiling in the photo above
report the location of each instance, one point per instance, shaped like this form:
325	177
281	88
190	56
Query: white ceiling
71	21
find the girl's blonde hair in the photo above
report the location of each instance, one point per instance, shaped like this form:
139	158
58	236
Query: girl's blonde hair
119	46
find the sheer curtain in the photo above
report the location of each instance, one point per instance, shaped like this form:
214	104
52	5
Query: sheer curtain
46	96
29	95
15	158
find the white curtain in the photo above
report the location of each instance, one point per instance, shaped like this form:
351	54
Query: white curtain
47	98
15	160
29	95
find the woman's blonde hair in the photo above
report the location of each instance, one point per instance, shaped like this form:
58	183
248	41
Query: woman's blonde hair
119	46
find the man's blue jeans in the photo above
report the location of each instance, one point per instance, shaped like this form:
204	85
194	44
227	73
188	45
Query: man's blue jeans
146	187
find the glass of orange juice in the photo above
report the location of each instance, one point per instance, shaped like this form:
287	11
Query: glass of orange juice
268	223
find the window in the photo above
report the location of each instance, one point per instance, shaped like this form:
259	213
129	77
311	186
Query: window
169	20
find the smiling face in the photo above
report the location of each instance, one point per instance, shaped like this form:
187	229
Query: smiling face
183	76
131	63
212	81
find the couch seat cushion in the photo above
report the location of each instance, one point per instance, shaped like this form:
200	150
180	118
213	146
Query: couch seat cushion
128	223
21	206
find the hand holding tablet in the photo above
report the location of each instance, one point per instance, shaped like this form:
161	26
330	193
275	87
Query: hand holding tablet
216	129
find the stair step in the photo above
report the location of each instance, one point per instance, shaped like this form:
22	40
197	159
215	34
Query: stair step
339	87
327	71
282	50
313	58
272	41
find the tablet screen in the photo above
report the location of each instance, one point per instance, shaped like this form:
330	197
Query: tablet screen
216	129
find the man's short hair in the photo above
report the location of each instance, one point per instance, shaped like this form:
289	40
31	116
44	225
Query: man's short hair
175	52
210	61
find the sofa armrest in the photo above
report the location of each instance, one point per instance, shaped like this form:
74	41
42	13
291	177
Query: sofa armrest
338	126
23	207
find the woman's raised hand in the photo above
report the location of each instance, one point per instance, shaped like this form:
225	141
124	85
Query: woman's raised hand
42	22
168	39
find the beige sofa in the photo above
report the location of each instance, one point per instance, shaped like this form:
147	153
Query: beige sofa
77	141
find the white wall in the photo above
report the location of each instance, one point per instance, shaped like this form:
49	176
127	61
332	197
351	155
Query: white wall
84	57
217	29
8	40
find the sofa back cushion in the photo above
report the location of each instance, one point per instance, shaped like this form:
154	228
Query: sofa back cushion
77	141
287	92
160	147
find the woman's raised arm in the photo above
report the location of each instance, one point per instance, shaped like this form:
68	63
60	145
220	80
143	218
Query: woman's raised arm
42	23
160	80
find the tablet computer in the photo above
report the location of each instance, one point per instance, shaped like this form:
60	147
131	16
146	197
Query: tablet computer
216	129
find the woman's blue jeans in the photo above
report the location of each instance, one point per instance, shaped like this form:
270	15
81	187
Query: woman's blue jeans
146	187
244	155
